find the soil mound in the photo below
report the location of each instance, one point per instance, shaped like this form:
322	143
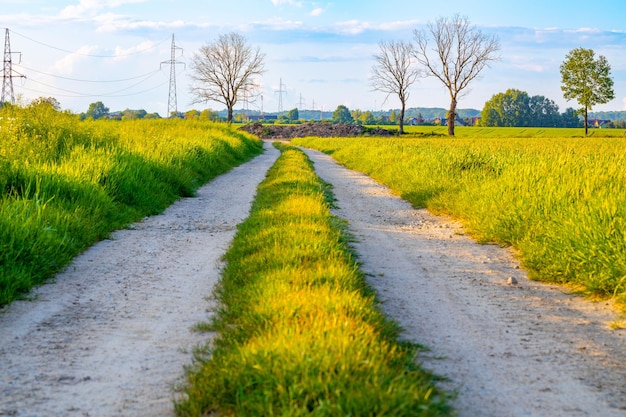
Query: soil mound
324	129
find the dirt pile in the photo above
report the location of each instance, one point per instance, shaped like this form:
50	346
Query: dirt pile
325	129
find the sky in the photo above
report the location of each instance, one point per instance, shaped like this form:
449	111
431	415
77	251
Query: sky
318	54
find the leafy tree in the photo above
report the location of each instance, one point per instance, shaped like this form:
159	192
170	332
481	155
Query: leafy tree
570	118
293	115
208	114
393	117
395	72
516	108
342	115
50	101
97	110
459	55
191	114
544	112
129	114
367	118
224	71
141	114
586	79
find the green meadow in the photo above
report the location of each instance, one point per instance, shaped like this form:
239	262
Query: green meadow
65	184
511	132
559	201
299	331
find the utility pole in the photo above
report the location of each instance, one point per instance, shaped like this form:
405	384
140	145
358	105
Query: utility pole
301	103
172	105
7	76
280	92
261	106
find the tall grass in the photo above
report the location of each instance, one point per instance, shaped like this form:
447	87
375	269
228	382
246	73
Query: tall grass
560	201
64	184
300	333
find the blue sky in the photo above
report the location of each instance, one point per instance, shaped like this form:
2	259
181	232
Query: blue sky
82	51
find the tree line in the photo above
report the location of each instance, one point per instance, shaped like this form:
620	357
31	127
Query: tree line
451	50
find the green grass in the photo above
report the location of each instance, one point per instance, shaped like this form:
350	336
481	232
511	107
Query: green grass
65	184
300	333
508	132
561	202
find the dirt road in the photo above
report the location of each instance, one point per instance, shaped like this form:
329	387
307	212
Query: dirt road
511	350
111	336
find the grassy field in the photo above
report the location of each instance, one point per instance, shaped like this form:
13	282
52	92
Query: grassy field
510	132
65	184
561	202
300	333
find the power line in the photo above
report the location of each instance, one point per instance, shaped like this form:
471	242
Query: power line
88	81
76	91
111	94
84	54
99	95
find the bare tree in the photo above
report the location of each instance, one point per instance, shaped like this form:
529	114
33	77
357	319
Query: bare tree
394	72
460	53
224	71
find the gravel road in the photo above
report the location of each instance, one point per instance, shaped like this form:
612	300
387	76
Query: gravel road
509	350
111	335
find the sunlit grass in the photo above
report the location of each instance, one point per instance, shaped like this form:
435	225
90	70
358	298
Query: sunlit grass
64	184
299	331
511	132
561	202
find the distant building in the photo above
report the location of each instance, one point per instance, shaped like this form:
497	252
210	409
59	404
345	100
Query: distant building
116	115
599	123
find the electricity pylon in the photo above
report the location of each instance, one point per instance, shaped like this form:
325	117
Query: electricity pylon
7	76
172	104
280	92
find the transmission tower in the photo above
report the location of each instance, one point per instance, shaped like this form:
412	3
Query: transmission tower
7	76
280	92
301	102
172	105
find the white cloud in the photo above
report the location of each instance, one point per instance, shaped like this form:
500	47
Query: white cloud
86	8
352	27
317	12
279	24
121	53
292	2
67	64
399	25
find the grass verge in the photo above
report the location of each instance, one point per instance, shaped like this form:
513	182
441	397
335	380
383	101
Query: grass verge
300	333
65	184
561	202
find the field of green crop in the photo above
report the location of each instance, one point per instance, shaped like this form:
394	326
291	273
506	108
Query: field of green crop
561	202
511	132
65	184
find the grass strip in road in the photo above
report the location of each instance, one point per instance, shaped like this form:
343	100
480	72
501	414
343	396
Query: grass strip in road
300	333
